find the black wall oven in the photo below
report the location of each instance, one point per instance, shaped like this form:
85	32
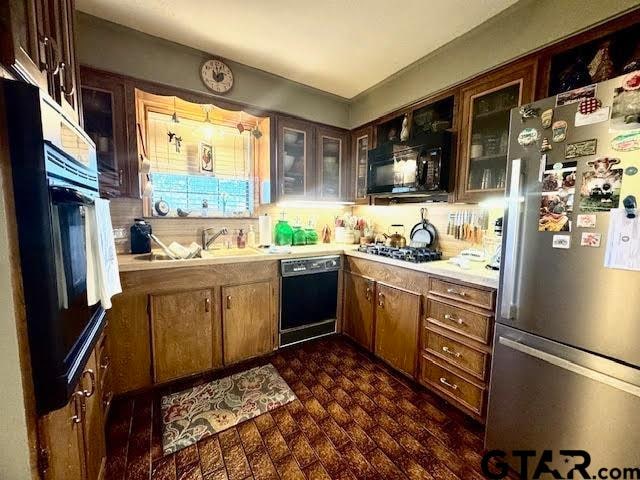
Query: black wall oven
55	180
420	165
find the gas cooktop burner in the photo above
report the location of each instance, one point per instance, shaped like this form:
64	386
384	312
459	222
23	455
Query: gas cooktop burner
408	254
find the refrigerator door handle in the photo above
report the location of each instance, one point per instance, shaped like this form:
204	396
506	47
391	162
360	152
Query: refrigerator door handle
571	366
507	303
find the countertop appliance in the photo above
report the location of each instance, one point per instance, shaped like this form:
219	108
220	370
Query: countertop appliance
408	254
309	298
419	166
566	361
55	178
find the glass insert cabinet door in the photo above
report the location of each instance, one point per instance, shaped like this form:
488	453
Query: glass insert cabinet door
489	127
295	162
484	135
331	157
361	143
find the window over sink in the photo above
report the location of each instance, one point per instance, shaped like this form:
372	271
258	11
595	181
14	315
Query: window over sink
202	160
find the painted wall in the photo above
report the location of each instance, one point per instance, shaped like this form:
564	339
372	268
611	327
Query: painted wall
108	46
525	27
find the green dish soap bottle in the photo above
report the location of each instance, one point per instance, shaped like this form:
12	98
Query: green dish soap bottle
283	232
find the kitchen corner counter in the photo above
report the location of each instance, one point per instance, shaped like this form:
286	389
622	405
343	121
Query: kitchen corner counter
477	274
137	262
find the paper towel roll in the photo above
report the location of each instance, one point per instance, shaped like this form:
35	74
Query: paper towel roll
264	230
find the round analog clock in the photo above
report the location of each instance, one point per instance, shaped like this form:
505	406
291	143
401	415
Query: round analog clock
217	75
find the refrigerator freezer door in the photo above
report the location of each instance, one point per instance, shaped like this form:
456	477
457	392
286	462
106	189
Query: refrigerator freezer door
547	396
564	294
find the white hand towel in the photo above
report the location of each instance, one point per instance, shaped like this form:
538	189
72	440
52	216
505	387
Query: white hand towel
103	276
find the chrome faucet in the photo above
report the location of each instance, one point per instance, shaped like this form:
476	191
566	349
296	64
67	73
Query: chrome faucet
206	240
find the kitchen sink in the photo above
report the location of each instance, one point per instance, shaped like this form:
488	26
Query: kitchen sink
213	253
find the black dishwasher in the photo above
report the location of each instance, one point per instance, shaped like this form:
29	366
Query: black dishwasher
309	298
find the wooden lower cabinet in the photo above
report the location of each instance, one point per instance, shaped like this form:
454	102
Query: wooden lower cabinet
396	327
182	334
93	422
247	321
358	309
61	452
72	439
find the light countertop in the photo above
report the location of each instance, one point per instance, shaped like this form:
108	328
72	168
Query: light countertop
476	274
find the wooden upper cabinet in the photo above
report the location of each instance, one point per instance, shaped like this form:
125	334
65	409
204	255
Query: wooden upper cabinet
332	159
106	121
248	323
361	143
25	47
38	45
484	129
182	334
296	172
63	84
396	327
358	309
61	443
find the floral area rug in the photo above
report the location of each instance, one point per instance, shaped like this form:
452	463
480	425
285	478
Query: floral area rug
198	412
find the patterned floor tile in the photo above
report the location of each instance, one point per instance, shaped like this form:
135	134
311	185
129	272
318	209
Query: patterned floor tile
354	419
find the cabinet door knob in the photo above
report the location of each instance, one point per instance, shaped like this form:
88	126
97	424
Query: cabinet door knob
207	304
380	299
228	302
92	379
367	293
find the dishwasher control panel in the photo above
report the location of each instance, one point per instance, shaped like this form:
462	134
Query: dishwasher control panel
305	266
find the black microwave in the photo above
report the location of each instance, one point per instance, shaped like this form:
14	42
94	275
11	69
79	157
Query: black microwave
421	165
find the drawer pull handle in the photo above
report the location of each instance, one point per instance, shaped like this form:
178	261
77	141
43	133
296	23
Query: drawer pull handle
456	292
78	408
92	380
380	299
105	363
452	386
367	294
446	349
452	318
228	302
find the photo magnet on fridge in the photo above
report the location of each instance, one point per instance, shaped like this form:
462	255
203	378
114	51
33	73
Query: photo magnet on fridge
561	241
600	190
556	202
590	239
581	149
586	220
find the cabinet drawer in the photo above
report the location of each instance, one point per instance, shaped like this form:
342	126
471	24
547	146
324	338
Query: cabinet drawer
466	393
462	356
467	323
473	296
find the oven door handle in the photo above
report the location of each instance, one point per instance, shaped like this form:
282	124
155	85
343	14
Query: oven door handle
69	195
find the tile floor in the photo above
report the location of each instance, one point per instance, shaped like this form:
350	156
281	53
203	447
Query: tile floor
354	418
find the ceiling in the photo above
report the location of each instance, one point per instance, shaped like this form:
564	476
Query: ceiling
340	46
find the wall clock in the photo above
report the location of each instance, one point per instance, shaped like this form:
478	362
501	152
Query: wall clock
216	75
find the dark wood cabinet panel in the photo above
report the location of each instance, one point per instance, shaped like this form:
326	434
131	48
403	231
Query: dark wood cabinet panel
25	47
358	309
185	347
109	119
247	321
361	143
484	129
296	166
332	164
396	327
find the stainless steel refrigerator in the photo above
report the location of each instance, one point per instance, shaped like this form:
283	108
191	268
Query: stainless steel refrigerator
566	362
